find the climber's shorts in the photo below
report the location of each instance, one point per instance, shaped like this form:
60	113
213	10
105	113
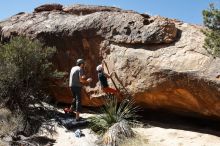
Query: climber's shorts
110	90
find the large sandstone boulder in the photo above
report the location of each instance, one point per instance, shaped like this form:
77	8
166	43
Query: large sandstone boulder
161	62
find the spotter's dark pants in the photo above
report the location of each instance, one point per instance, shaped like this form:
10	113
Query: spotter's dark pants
76	102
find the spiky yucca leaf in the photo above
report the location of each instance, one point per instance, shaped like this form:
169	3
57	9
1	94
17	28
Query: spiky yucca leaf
98	125
127	110
113	113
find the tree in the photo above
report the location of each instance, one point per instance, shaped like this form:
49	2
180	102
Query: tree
211	19
25	72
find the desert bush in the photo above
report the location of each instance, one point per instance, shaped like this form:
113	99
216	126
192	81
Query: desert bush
26	72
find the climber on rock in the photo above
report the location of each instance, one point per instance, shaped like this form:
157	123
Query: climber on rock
102	76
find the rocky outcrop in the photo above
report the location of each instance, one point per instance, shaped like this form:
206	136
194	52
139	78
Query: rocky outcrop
178	76
49	7
161	61
89	9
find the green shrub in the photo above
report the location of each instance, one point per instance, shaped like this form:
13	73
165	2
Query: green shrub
113	113
26	72
211	19
115	121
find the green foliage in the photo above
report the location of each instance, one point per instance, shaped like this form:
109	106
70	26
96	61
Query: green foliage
113	113
211	19
212	42
26	71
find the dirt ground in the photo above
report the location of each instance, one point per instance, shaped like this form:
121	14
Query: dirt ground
149	135
159	129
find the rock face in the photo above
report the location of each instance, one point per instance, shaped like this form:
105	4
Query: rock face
161	62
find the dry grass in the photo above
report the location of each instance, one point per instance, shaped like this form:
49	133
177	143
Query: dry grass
2	144
8	122
117	133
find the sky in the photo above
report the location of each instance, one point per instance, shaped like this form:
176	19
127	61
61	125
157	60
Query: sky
189	11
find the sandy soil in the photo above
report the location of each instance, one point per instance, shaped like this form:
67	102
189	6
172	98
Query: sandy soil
150	136
172	137
66	137
159	130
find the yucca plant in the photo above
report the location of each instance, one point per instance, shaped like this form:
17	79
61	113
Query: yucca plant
115	120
